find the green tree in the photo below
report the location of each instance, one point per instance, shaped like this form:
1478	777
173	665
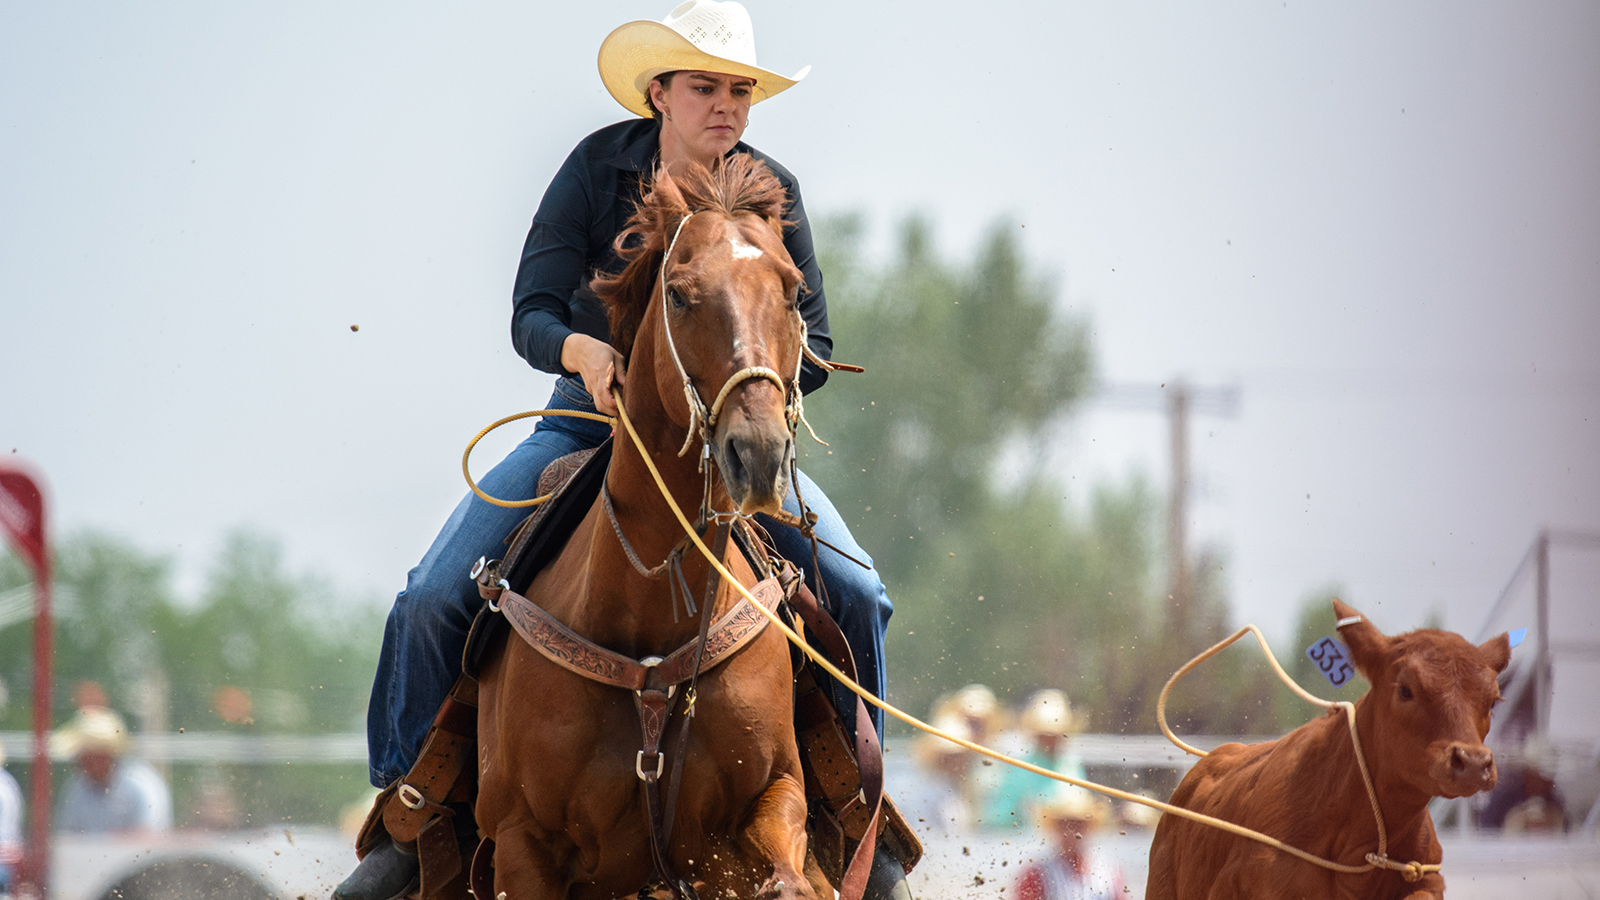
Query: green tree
105	596
260	652
1235	692
963	363
997	578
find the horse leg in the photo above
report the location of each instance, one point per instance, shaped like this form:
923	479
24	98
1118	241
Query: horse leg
815	877
522	866
776	831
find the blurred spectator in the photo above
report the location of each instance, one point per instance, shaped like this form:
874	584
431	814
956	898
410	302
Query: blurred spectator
89	695
977	705
1076	871
1049	722
108	792
10	827
1137	815
215	806
950	765
1526	798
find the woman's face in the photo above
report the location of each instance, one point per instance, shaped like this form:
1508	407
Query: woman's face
705	113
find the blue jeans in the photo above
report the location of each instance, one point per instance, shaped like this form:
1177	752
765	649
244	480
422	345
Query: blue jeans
427	628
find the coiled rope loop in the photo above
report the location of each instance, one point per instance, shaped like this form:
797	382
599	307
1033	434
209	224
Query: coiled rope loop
520	504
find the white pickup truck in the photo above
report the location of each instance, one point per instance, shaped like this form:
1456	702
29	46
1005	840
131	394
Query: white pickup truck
281	864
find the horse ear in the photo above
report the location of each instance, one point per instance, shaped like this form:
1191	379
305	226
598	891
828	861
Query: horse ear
1497	652
1368	646
665	197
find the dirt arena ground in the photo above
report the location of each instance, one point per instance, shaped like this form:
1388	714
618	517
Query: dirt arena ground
973	867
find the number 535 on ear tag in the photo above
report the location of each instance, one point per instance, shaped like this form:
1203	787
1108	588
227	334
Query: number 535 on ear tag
1332	660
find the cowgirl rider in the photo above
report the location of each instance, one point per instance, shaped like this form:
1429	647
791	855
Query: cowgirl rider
691	80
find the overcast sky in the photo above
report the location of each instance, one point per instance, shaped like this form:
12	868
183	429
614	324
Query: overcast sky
1380	221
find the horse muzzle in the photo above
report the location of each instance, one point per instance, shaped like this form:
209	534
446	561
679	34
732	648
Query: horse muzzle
754	458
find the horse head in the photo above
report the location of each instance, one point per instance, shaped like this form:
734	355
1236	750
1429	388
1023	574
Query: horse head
707	309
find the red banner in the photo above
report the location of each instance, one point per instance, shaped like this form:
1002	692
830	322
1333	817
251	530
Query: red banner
22	515
22	520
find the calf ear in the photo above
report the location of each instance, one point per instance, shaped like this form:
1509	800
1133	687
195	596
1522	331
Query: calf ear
1368	646
1496	652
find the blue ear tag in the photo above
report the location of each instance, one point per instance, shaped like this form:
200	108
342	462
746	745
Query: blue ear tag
1517	636
1333	661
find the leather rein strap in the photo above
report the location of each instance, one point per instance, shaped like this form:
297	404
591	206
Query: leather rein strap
869	755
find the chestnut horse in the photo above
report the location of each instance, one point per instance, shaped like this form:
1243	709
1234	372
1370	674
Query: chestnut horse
560	767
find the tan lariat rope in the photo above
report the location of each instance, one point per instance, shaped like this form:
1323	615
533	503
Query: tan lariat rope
1411	871
519	504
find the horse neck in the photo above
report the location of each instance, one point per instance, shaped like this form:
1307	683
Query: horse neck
623	609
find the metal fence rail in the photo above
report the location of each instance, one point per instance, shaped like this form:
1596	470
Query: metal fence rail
1132	750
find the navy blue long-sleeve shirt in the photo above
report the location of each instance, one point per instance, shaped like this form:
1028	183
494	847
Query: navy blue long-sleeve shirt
584	209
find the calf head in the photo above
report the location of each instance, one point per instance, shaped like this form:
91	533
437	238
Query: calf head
1427	713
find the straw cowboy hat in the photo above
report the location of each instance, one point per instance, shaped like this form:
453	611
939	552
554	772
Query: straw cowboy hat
1050	712
975	701
702	35
929	750
1072	803
92	729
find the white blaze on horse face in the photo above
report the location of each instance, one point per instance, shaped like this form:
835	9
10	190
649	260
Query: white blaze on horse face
741	250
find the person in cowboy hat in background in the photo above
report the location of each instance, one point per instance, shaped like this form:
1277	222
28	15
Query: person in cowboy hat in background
108	791
690	81
11	845
1049	722
1075	870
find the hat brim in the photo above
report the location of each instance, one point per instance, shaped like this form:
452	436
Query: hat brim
1093	815
636	52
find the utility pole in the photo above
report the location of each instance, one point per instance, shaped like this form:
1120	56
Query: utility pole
1178	400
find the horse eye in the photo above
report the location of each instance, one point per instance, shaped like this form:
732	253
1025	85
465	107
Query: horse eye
1405	693
676	298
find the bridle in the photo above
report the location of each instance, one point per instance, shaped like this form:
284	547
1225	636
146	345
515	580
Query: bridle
702	422
703	419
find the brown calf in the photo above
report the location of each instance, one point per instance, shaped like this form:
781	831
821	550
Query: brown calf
1422	725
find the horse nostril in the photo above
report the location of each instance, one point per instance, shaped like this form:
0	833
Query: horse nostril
736	467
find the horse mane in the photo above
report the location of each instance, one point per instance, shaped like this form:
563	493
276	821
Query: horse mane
733	186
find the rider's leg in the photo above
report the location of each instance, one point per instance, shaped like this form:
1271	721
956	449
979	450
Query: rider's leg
427	628
859	602
855	595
